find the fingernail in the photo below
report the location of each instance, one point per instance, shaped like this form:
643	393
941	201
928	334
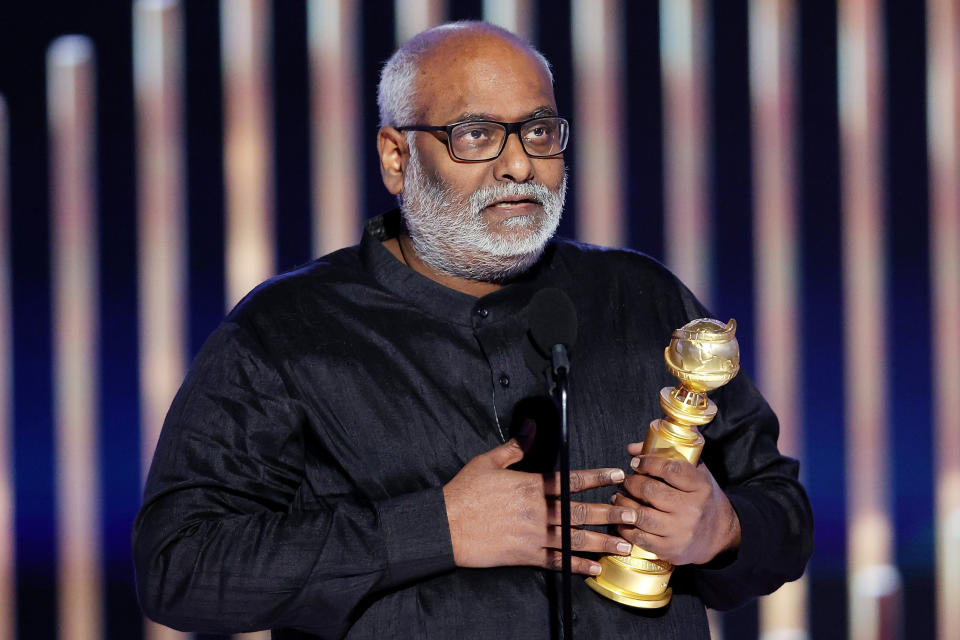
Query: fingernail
613	499
629	516
635	463
623	547
618	475
594	569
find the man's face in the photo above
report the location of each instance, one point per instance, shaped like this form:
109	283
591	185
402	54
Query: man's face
489	220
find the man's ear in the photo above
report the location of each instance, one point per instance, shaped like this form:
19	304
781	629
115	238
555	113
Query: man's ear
394	152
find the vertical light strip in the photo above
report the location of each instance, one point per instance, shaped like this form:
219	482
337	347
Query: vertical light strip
598	68
943	135
683	63
248	149
512	15
338	142
783	614
414	16
873	580
161	224
71	92
8	606
683	72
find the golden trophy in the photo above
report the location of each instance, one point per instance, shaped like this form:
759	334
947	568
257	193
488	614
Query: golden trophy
703	355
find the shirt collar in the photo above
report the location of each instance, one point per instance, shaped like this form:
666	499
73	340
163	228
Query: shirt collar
443	302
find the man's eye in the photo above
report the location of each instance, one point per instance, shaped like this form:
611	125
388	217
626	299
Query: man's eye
539	131
473	136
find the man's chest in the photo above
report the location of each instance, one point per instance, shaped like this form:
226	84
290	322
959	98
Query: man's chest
403	403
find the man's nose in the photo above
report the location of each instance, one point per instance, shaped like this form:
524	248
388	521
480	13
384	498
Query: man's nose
513	164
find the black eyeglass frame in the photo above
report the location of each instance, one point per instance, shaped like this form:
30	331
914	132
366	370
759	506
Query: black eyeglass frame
511	127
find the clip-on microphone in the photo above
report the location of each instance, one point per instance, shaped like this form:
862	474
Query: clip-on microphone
553	330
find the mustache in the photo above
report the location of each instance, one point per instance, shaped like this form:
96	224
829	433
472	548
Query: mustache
486	196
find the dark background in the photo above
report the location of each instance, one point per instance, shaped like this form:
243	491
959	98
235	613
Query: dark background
26	29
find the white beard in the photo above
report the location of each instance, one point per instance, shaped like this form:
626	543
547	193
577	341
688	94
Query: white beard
450	234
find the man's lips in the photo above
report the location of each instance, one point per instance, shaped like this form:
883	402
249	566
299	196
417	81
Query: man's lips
517	203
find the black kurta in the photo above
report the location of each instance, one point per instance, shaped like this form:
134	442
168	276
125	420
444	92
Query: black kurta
298	480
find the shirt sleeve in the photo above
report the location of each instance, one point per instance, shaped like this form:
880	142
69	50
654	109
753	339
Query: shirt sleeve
776	520
224	542
763	486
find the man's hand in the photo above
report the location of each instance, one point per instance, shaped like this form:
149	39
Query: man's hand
682	514
501	517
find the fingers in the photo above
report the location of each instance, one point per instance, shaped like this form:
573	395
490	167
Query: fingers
635	448
510	452
583	479
679	474
590	541
645	540
647	519
591	513
653	492
553	559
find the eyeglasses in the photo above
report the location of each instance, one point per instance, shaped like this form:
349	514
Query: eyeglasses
483	140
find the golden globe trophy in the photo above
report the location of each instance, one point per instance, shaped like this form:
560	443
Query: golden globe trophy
703	355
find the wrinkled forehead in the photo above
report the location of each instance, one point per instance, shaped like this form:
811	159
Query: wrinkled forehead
480	74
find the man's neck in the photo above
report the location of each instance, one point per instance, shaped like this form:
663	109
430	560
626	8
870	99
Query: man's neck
402	249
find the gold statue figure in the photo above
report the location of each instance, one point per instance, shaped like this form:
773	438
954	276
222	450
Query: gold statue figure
704	355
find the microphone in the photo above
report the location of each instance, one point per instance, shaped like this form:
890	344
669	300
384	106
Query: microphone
552	320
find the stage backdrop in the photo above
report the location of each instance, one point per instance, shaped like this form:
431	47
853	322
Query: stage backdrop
795	163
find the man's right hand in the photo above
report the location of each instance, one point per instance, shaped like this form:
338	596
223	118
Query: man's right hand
501	517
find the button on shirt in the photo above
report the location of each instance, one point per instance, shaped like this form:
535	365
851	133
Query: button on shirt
297	483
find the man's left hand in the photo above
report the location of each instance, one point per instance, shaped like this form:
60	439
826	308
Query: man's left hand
682	514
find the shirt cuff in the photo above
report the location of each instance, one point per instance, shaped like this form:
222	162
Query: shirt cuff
724	582
416	535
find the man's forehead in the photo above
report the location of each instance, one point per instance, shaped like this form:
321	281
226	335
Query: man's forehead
475	40
541	111
483	76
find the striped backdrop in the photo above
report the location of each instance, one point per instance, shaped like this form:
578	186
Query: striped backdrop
797	164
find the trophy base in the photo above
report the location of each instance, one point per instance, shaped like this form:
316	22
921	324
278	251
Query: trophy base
635	600
639	580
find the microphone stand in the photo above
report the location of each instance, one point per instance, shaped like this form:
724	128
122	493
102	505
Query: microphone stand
552	321
560	367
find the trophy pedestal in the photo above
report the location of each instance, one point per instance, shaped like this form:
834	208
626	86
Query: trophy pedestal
640	580
703	355
634	581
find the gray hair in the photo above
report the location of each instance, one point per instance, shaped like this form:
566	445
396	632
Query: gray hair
397	88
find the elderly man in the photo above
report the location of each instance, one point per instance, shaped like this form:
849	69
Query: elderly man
345	457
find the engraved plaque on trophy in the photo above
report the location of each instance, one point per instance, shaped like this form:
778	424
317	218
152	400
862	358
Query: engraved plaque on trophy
704	355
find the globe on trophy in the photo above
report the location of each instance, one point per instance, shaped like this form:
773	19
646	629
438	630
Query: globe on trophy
704	355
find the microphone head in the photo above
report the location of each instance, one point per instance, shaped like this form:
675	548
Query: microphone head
552	319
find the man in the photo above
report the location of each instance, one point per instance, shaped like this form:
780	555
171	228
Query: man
342	459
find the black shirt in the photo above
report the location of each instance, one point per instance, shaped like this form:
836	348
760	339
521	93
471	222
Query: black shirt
298	479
